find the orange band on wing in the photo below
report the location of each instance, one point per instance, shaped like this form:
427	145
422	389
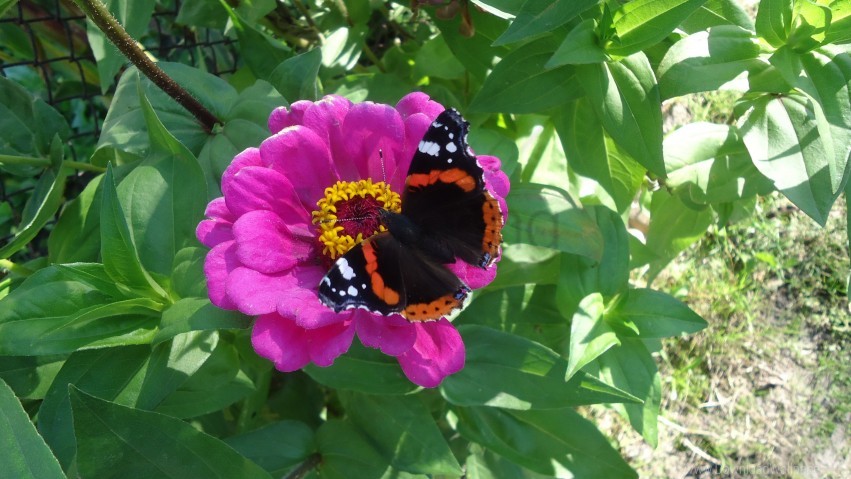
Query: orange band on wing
436	309
384	293
455	176
493	226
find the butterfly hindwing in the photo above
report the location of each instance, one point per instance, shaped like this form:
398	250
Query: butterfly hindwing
383	276
445	195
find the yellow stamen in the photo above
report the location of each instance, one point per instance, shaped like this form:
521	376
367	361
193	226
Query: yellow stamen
334	241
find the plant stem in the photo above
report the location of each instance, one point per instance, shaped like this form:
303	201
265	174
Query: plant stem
305	467
44	162
98	13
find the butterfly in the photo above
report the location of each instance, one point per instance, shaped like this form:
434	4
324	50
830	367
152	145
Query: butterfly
446	214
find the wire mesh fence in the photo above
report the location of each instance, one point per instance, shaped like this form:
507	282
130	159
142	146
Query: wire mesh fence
45	48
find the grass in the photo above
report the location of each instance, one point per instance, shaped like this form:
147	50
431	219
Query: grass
766	388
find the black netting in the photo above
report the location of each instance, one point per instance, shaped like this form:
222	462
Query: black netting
44	47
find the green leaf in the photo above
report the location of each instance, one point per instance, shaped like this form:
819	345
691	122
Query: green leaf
30	376
52	312
653	314
810	22
553	442
774	21
218	383
409	439
245	126
115	373
523	264
117	245
519	83
25	454
364	370
706	61
590	336
580	277
674	226
547	216
708	163
435	59
115	439
295	78
840	25
536	18
261	52
45	200
477	53
643	23
27	124
171	365
507	371
134	16
125	127
626	99
783	138
277	446
824	76
163	198
582	45
717	12
76	236
5	5
187	274
197	314
484	464
593	154
347	453
631	367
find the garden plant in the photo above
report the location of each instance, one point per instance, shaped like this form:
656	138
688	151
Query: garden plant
162	311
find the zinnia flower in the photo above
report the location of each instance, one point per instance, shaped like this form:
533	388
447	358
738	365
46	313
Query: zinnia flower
269	251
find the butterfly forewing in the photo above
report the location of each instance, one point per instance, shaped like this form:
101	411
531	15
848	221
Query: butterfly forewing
445	193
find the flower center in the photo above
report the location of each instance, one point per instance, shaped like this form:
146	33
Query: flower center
350	212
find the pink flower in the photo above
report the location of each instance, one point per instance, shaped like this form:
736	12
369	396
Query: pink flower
267	256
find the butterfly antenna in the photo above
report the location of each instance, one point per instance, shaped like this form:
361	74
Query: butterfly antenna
347	219
383	174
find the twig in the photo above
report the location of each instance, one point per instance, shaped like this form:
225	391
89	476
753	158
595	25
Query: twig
44	162
700	452
684	430
302	470
98	13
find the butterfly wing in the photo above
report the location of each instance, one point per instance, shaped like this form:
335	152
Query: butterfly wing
445	194
382	276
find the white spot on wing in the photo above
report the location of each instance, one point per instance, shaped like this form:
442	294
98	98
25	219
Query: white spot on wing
363	285
451	136
352	291
342	293
345	269
451	148
326	281
436	124
429	147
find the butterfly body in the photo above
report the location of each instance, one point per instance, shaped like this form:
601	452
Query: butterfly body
447	213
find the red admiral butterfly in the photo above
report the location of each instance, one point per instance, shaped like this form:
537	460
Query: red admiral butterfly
446	213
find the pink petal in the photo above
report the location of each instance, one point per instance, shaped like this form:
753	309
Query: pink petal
437	353
326	118
217	229
258	293
393	334
473	276
327	343
281	117
248	157
303	304
368	128
304	159
419	102
260	188
220	262
265	244
291	348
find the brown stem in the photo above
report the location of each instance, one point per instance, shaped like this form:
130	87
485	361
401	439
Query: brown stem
305	467
98	13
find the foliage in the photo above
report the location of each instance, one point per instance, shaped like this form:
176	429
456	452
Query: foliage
110	343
